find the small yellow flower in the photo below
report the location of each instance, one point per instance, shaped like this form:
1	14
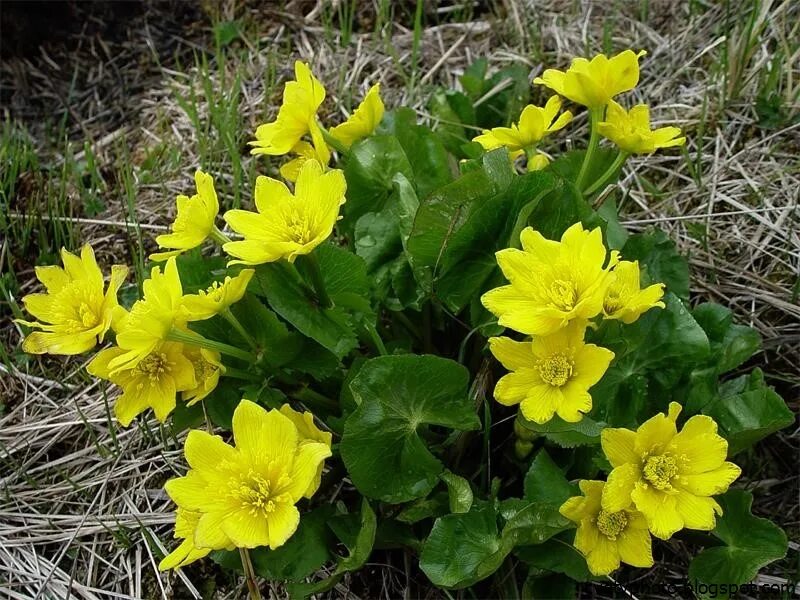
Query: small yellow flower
309	433
301	100
551	283
150	319
364	120
217	298
624	299
538	161
305	152
535	123
288	225
151	382
593	83
194	221
630	130
668	476
75	313
246	494
186	553
207	370
551	374
607	538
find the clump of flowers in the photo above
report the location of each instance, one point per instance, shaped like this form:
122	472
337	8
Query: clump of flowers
333	386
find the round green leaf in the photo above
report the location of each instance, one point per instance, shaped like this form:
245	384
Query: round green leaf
381	447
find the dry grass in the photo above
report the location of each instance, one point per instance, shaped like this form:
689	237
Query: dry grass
82	510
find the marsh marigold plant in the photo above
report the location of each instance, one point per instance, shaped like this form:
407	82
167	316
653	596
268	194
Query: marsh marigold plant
327	357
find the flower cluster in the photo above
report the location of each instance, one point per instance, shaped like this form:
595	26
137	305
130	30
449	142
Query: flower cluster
662	481
244	496
555	291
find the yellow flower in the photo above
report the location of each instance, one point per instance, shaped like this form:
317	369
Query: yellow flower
217	298
246	494
595	82
194	222
669	476
301	100
207	370
552	282
150	319
607	538
151	382
185	524
535	123
551	374
624	299
309	433
364	120
630	130
305	152
75	313
288	225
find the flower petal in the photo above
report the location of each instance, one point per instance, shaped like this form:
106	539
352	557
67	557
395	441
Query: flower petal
618	446
659	509
635	548
621	483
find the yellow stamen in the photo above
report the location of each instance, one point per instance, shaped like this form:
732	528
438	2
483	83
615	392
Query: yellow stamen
612	524
555	370
660	471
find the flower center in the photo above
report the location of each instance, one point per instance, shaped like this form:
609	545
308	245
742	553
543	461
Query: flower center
563	295
258	494
660	471
612	524
612	301
216	292
299	229
555	370
154	365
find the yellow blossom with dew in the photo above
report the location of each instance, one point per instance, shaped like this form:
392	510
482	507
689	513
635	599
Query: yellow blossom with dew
364	120
607	538
186	552
296	116
309	433
77	309
669	476
551	374
246	494
218	297
625	299
288	225
535	123
551	283
194	222
151	318
593	83
208	368
630	130
151	382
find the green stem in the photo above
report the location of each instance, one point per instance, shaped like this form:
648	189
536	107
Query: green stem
195	339
250	576
332	141
313	270
230	318
218	236
618	162
240	374
376	338
595	115
314	399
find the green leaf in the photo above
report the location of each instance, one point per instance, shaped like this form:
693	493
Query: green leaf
459	491
558	555
747	410
278	345
221	403
463	549
750	544
198	272
560	208
731	345
186	417
288	295
360	549
535	523
225	32
567	435
545	481
377	239
452	110
396	396
436	505
426	153
371	165
660	261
